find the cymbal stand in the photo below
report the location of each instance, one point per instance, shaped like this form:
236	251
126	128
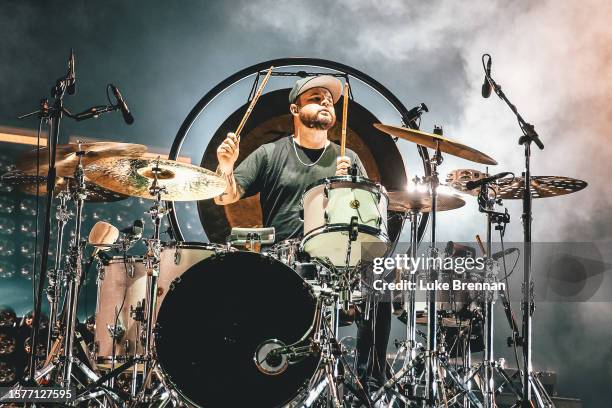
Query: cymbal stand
56	274
486	205
431	364
410	305
152	261
74	271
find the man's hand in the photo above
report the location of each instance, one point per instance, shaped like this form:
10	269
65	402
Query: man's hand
227	153
343	164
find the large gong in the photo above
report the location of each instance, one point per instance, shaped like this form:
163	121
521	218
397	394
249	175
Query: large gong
271	120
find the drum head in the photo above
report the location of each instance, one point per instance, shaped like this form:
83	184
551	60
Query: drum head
211	324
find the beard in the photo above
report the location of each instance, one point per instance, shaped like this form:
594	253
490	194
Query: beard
318	121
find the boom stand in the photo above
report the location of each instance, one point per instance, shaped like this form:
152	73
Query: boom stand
527	305
63	85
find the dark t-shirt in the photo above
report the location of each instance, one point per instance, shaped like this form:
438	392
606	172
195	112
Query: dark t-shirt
274	171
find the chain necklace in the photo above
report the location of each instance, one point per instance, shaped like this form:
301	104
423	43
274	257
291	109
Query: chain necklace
300	160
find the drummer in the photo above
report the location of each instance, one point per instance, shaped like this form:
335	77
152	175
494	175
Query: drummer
282	170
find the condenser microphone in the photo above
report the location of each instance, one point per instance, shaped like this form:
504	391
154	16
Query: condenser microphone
125	111
470	185
486	86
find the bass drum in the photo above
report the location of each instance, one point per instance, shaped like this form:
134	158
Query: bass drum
224	310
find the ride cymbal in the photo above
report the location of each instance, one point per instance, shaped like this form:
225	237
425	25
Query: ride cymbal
66	158
433	141
134	177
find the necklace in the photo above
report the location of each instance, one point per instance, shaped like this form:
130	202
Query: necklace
300	160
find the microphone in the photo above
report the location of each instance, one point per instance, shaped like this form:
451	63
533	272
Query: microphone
135	231
71	88
93	112
486	86
125	111
416	112
470	185
503	253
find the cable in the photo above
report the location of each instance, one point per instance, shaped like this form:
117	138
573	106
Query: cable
507	290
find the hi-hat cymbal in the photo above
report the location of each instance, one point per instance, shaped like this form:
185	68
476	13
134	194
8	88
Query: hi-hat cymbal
432	141
541	186
66	158
134	177
420	201
27	183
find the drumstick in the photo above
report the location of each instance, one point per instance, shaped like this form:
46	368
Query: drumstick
253	102
482	248
344	119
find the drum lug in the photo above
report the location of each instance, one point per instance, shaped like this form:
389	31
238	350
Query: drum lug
327	188
116	332
326	217
177	256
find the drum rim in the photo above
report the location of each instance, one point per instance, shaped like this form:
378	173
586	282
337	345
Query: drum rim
342	227
373	185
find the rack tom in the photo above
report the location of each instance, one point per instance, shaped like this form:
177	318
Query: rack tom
343	210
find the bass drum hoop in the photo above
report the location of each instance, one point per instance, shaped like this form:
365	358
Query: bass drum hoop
300	392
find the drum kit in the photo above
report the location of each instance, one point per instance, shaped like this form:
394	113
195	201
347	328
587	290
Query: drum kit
194	322
251	322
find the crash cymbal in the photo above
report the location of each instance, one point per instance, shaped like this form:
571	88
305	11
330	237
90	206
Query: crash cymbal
430	140
134	177
26	183
541	186
416	200
66	158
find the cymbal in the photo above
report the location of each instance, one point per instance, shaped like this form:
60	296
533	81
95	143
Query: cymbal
430	140
134	177
66	158
420	201
26	183
457	179
541	187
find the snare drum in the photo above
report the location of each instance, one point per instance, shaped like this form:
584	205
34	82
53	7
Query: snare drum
336	206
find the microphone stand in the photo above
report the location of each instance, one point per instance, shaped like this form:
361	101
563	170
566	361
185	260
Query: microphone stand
63	85
529	381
